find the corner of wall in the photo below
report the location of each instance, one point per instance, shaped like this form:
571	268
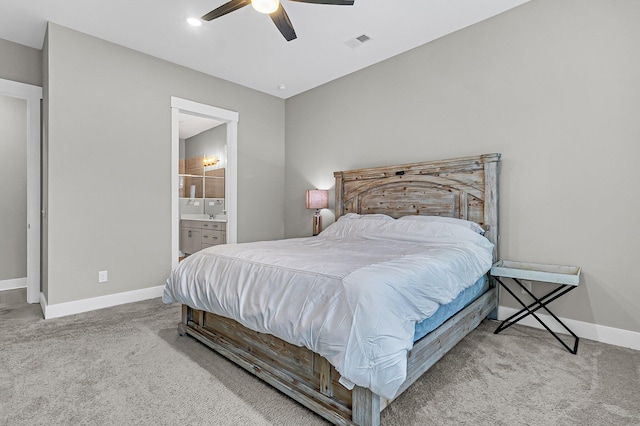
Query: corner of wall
44	194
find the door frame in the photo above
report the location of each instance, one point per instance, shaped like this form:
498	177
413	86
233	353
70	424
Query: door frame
230	118
33	96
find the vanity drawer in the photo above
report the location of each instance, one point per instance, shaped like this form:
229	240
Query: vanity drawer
191	224
214	226
212	238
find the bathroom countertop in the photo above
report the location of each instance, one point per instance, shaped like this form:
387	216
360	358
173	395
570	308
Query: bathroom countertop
203	217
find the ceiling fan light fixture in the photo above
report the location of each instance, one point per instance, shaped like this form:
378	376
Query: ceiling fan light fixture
265	6
194	22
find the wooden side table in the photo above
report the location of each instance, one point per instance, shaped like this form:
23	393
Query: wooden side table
566	277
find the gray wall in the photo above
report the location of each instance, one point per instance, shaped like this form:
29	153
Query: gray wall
109	141
13	188
210	142
20	63
554	86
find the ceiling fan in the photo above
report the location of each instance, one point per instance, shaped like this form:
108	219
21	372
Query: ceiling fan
272	8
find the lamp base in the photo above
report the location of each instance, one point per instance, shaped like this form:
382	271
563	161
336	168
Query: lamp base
317	223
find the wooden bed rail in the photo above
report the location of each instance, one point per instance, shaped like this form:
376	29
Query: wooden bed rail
310	379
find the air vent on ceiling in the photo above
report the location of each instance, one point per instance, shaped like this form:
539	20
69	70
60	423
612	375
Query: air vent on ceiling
357	41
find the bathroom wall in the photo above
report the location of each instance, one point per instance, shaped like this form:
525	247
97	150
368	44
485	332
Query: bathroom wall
210	143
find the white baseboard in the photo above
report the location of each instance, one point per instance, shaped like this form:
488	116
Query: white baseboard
85	305
584	330
13	284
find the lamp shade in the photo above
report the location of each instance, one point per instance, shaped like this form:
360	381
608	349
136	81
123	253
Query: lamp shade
317	199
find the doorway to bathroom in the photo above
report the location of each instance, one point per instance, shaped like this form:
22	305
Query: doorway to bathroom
196	180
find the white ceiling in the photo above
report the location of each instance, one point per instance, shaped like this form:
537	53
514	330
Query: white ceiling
191	125
244	46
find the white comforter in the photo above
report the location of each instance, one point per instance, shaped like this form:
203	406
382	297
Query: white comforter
352	294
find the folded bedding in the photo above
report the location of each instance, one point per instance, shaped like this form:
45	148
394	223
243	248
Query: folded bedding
352	294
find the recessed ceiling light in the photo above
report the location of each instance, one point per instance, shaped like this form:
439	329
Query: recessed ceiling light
282	87
194	22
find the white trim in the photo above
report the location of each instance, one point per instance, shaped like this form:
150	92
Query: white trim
231	182
175	203
33	95
231	119
13	283
85	305
584	330
204	110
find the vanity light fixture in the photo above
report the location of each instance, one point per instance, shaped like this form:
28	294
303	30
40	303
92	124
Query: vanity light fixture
317	199
265	6
209	161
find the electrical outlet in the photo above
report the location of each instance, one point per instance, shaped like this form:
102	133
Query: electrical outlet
102	277
527	285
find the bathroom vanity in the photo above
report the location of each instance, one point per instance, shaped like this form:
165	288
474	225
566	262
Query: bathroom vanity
198	231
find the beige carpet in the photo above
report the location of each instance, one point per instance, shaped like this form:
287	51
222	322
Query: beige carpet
128	366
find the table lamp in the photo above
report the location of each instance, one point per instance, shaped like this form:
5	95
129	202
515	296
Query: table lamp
317	199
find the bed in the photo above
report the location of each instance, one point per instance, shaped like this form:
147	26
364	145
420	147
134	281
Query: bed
462	188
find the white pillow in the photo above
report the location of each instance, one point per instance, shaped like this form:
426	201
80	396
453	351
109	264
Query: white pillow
366	216
444	219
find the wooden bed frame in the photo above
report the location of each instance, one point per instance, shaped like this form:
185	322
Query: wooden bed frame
464	188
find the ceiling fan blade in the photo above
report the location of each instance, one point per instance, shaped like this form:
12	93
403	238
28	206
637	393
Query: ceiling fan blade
225	8
334	2
281	19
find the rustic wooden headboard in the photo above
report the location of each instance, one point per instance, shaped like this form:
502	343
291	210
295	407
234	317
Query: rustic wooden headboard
465	188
